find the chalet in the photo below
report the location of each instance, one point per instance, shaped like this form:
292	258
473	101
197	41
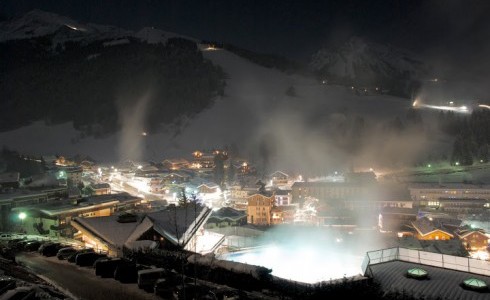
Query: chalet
175	164
435	228
279	178
175	178
208	188
101	188
203	161
283	214
282	197
473	239
227	216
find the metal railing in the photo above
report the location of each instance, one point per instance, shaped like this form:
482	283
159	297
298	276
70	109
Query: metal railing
451	262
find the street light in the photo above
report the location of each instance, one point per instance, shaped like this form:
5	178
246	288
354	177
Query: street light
22	216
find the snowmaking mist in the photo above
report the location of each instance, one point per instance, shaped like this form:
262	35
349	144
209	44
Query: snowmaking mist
132	136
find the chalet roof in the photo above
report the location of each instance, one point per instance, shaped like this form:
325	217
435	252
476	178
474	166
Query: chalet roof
209	185
465	231
108	229
266	194
279	173
442	283
282	192
177	224
228	213
426	225
176	161
176	173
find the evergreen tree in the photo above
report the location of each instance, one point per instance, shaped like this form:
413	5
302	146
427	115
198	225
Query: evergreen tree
231	172
219	168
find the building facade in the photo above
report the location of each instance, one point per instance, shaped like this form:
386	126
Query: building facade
259	209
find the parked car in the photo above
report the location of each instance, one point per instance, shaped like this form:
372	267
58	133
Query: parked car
196	291
164	287
51	249
21	292
7	236
87	259
73	256
105	267
127	272
147	278
32	245
7	283
65	252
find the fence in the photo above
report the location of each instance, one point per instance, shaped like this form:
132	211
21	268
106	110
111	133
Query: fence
457	263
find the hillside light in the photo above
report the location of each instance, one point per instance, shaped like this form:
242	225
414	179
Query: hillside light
22	216
457	163
429	165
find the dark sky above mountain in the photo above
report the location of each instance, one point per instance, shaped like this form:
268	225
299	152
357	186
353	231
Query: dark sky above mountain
451	35
290	27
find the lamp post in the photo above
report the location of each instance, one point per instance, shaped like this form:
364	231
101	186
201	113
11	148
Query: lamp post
22	216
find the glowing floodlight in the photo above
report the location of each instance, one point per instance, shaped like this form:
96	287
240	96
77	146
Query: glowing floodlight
22	215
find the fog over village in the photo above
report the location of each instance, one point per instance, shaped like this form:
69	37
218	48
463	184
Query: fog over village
313	152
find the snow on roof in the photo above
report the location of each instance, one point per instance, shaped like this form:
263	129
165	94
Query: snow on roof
210	185
208	242
178	224
228	213
144	244
279	173
108	229
211	260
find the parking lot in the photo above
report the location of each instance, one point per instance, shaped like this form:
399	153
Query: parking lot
80	282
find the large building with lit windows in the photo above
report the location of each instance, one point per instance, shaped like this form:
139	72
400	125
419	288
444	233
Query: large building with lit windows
259	209
451	198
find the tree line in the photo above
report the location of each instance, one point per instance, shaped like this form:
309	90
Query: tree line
86	84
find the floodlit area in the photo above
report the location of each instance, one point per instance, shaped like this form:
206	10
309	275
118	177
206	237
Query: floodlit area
303	263
310	255
450	107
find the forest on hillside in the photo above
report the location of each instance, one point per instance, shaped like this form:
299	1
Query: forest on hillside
88	84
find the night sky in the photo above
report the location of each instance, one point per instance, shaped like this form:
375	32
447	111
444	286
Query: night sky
450	36
292	28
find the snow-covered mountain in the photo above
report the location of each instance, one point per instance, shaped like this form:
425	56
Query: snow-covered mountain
367	63
61	29
300	122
